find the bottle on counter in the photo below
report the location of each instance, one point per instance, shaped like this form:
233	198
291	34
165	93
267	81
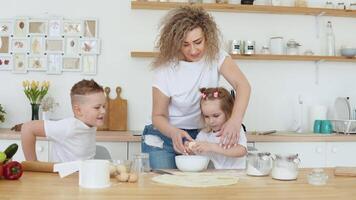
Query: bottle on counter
330	40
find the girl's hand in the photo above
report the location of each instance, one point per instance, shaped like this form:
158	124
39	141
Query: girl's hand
202	147
177	140
230	133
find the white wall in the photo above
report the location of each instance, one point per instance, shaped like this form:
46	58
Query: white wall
275	84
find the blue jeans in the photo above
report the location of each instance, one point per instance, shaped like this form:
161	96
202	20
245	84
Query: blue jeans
162	158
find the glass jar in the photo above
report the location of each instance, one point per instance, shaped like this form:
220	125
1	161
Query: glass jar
285	167
265	50
317	177
141	163
292	47
236	47
258	163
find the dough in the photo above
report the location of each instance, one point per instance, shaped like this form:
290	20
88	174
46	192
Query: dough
197	179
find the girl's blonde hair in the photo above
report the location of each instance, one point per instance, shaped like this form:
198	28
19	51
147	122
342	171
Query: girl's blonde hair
219	93
174	28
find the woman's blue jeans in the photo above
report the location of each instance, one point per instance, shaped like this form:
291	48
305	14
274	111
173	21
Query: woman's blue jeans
161	157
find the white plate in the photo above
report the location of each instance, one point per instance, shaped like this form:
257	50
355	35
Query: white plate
342	108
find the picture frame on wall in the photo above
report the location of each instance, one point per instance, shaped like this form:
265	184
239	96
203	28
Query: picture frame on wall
4	44
90	28
37	27
20	27
71	46
54	64
6	27
89	64
37	45
72	27
20	45
55	27
89	46
54	45
37	63
6	62
71	63
20	63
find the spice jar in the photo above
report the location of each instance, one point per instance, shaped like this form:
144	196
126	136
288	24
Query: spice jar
258	163
236	47
301	3
292	47
285	167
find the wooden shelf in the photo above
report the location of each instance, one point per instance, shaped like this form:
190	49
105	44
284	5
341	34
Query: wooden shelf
248	8
140	54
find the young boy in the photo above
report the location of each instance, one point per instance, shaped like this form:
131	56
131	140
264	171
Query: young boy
73	138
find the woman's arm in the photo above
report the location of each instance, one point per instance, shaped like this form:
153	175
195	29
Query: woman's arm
235	151
160	120
231	129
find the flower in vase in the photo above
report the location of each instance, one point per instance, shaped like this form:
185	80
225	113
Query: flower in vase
35	91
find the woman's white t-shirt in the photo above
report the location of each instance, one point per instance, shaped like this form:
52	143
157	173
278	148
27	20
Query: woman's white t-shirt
181	82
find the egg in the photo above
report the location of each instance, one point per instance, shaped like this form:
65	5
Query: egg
121	169
113	171
191	145
123	177
133	177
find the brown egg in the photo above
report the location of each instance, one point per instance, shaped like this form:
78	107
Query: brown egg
123	177
113	171
191	144
133	177
121	169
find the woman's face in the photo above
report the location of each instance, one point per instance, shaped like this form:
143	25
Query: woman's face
193	45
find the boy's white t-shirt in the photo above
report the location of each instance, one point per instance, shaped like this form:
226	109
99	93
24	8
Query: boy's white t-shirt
220	161
72	139
181	82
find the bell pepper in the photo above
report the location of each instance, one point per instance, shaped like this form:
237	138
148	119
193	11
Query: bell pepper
12	170
1	171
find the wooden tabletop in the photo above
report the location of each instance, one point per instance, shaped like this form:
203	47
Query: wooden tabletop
35	185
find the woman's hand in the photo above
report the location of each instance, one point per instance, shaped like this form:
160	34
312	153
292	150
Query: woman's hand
177	140
230	134
202	147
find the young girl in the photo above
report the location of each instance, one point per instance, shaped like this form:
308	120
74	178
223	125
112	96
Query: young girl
216	106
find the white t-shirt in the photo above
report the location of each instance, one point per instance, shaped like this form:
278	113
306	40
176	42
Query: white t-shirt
181	82
220	161
72	139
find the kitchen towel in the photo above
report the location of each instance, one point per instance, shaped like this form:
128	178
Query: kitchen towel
317	112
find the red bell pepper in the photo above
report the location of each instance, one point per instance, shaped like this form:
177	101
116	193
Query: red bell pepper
12	170
1	171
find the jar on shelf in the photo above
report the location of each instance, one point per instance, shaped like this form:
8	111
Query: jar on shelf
222	1
265	50
301	3
293	47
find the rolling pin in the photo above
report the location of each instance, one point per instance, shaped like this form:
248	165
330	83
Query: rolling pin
36	166
345	171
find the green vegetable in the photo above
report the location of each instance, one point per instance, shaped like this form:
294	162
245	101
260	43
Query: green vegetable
2	156
10	151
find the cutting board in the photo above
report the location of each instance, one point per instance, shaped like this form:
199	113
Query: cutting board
116	112
345	171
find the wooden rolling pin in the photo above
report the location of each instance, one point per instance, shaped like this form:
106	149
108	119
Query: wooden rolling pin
36	166
345	171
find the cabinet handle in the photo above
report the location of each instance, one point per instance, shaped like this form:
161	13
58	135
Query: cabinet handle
319	150
334	150
40	149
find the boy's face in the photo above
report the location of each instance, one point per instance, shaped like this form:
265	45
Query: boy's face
214	117
91	109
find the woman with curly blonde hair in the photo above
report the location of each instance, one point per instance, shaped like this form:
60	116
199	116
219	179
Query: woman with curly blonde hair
190	57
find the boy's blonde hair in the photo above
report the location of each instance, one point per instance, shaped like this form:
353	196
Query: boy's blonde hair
174	28
226	100
82	88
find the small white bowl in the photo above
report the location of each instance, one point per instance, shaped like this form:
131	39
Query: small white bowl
192	163
348	52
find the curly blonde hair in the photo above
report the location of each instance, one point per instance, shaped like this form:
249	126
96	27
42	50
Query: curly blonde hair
174	28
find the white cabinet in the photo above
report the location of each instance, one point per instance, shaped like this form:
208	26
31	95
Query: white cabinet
311	154
41	149
340	154
118	150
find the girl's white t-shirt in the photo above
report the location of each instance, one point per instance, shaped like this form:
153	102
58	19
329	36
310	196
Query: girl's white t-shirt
71	139
181	82
221	161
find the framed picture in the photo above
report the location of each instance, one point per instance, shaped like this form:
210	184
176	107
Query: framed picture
37	45
19	45
6	27
37	63
4	44
20	27
54	45
71	46
89	63
55	27
54	64
37	27
90	28
89	46
6	62
73	28
20	63
71	63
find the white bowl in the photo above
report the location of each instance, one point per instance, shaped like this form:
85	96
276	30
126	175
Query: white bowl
348	52
192	163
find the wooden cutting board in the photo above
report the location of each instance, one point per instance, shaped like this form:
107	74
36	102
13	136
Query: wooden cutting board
345	171
116	112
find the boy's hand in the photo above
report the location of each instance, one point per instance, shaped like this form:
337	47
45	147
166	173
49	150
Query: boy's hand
202	147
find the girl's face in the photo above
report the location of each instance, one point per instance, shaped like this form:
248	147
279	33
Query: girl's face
193	45
214	117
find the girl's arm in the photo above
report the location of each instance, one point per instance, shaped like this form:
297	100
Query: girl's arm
203	147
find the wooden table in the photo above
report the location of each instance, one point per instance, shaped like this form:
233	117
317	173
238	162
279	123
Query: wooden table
37	186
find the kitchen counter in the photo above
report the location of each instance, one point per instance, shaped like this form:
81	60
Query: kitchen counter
34	186
131	136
